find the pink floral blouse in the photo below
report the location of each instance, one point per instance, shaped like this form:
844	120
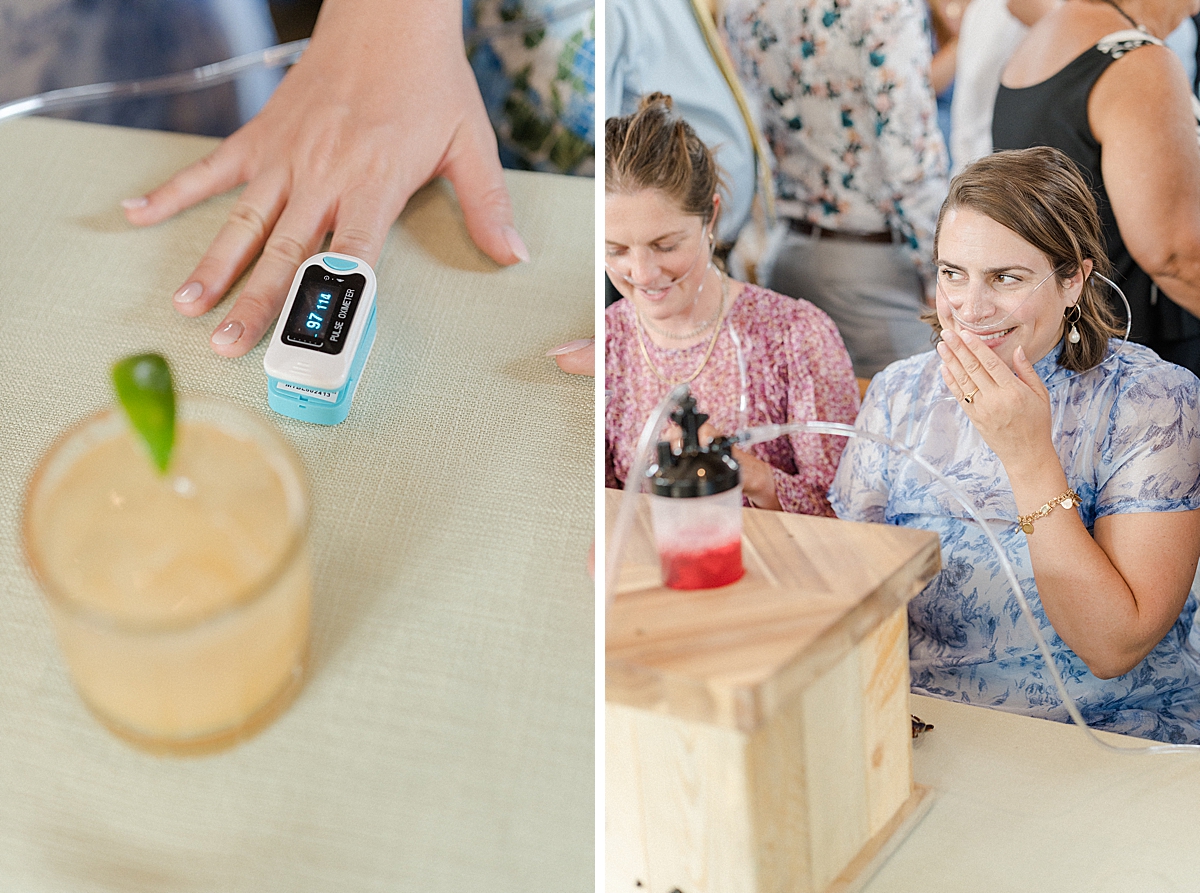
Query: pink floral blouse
797	370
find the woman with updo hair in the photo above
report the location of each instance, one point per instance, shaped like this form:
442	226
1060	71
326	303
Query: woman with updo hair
684	320
1080	451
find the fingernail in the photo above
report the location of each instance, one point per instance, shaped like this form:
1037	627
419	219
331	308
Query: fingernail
516	245
570	347
188	293
130	204
228	333
967	337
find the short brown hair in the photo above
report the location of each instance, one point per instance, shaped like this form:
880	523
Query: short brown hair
656	149
1040	195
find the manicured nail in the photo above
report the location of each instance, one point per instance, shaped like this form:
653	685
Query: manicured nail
131	204
516	245
188	293
228	333
570	347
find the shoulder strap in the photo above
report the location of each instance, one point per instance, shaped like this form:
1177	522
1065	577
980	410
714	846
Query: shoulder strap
1121	42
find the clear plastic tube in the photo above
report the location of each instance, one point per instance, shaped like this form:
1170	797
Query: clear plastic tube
770	432
1128	315
743	409
224	71
633	485
996	325
990	325
751	436
180	82
670	283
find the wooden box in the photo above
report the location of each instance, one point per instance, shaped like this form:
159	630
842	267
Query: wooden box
758	737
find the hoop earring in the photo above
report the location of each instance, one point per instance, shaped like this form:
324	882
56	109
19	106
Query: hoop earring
1073	337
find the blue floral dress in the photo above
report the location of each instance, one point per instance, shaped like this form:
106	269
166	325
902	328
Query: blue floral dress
1128	435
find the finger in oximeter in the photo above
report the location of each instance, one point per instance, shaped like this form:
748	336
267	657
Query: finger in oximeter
322	339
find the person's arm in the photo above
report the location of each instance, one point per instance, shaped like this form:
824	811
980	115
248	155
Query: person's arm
1110	598
942	66
946	20
1027	12
1141	113
382	101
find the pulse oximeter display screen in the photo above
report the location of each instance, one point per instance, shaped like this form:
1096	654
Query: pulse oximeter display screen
324	309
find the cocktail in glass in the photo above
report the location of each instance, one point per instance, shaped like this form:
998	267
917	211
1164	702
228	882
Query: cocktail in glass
181	601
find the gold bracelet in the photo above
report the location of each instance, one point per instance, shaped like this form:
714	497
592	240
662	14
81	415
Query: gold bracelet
1068	500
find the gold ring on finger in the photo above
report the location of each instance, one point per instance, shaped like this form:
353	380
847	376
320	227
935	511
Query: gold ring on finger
970	398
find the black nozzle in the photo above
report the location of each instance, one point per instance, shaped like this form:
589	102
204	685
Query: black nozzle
696	470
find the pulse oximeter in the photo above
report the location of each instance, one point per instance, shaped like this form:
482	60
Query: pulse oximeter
322	339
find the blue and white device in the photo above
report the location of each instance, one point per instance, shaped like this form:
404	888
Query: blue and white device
322	340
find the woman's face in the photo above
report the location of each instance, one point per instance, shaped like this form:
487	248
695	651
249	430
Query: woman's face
995	284
656	254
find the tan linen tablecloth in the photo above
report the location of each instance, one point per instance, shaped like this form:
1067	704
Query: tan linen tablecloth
1023	804
445	738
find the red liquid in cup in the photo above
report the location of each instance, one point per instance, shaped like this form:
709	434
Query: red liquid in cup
705	568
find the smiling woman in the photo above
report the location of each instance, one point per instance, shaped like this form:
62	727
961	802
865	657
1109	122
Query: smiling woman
750	356
1081	451
996	249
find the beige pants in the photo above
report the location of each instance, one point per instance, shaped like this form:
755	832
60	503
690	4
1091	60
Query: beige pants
871	291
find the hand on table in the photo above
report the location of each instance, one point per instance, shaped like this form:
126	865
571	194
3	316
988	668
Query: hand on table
577	357
382	101
758	481
1010	411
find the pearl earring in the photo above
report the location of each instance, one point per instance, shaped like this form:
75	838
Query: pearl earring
1073	337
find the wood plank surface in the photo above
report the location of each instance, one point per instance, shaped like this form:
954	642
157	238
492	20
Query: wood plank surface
684	804
813	589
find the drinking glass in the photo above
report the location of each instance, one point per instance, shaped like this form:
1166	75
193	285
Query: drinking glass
181	601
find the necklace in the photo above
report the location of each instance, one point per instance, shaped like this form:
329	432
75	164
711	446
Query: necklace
686	335
711	344
1124	14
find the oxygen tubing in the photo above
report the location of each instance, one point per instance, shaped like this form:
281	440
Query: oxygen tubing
748	437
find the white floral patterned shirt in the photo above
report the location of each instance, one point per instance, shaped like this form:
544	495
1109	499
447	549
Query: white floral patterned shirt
847	106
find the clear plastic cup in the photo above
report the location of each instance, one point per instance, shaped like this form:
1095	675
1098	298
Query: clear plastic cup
181	602
699	539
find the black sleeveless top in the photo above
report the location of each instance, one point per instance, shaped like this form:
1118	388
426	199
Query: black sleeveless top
1054	113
